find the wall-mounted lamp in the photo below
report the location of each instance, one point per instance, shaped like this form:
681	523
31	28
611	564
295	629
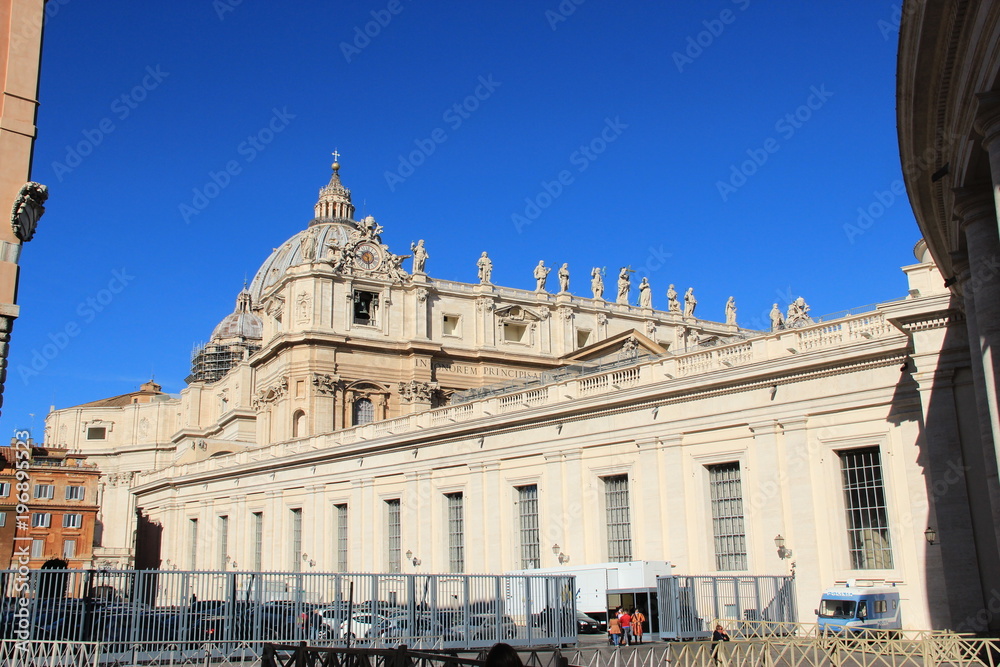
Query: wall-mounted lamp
783	553
409	557
931	535
560	556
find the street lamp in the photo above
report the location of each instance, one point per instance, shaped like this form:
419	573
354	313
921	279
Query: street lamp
783	553
931	535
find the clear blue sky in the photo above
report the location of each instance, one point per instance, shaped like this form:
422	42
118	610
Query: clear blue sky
142	102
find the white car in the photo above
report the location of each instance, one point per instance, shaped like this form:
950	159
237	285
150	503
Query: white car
362	625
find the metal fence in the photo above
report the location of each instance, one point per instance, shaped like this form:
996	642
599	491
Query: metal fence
153	612
689	606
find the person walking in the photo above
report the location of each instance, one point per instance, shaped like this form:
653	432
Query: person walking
625	620
638	618
614	629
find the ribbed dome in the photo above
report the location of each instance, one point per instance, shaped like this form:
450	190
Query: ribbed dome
241	323
290	253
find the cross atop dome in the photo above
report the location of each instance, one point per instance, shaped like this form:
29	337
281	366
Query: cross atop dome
334	199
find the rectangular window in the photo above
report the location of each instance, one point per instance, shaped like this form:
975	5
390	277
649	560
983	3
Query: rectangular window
527	510
867	518
392	543
75	492
297	539
223	541
258	541
514	333
41	520
456	531
193	544
45	491
4	489
37	548
365	308
619	527
69	548
450	325
3	519
72	521
341	537
726	492
97	433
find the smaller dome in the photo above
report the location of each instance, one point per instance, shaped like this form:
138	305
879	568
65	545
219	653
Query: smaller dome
241	323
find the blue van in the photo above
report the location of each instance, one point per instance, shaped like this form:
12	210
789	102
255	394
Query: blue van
854	608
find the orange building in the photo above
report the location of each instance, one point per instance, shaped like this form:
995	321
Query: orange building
61	516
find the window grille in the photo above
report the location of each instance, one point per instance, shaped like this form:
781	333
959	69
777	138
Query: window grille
364	411
867	517
616	503
258	541
728	529
297	539
527	508
392	543
456	532
341	537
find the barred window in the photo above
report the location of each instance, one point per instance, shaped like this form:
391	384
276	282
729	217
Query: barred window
616	503
223	541
527	508
72	521
41	520
456	532
297	539
728	529
258	541
867	517
193	544
364	411
392	543
341	537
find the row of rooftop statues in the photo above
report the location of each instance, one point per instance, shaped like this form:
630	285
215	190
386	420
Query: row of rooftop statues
796	316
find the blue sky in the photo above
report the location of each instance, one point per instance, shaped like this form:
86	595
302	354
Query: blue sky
725	145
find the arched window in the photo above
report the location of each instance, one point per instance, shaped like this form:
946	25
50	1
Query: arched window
298	424
364	411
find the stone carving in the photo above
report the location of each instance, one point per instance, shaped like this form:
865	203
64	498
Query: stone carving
394	267
485	266
28	209
421	295
302	302
690	303
673	305
798	314
630	349
419	256
650	328
272	393
624	285
335	255
565	313
645	294
307	245
541	275
417	391
731	311
324	383
777	321
564	278
484	304
274	306
602	319
597	282
371	229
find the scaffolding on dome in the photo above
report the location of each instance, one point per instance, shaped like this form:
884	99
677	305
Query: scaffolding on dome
210	362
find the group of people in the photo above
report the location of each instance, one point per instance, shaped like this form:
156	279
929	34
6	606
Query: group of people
624	626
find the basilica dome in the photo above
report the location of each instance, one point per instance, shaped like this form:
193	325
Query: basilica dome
241	323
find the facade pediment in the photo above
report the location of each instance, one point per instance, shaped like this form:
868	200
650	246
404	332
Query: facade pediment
631	342
517	313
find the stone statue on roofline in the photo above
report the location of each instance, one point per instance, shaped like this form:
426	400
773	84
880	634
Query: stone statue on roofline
597	282
564	278
541	275
485	266
645	294
673	305
731	311
624	285
777	320
689	302
419	256
798	314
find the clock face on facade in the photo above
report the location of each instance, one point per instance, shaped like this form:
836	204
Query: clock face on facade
367	256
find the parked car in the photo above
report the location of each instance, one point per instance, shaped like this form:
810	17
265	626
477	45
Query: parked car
400	627
361	625
586	625
482	626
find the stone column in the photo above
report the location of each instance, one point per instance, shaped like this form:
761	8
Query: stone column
762	499
987	123
804	524
976	212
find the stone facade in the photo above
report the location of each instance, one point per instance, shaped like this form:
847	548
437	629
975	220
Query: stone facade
623	432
